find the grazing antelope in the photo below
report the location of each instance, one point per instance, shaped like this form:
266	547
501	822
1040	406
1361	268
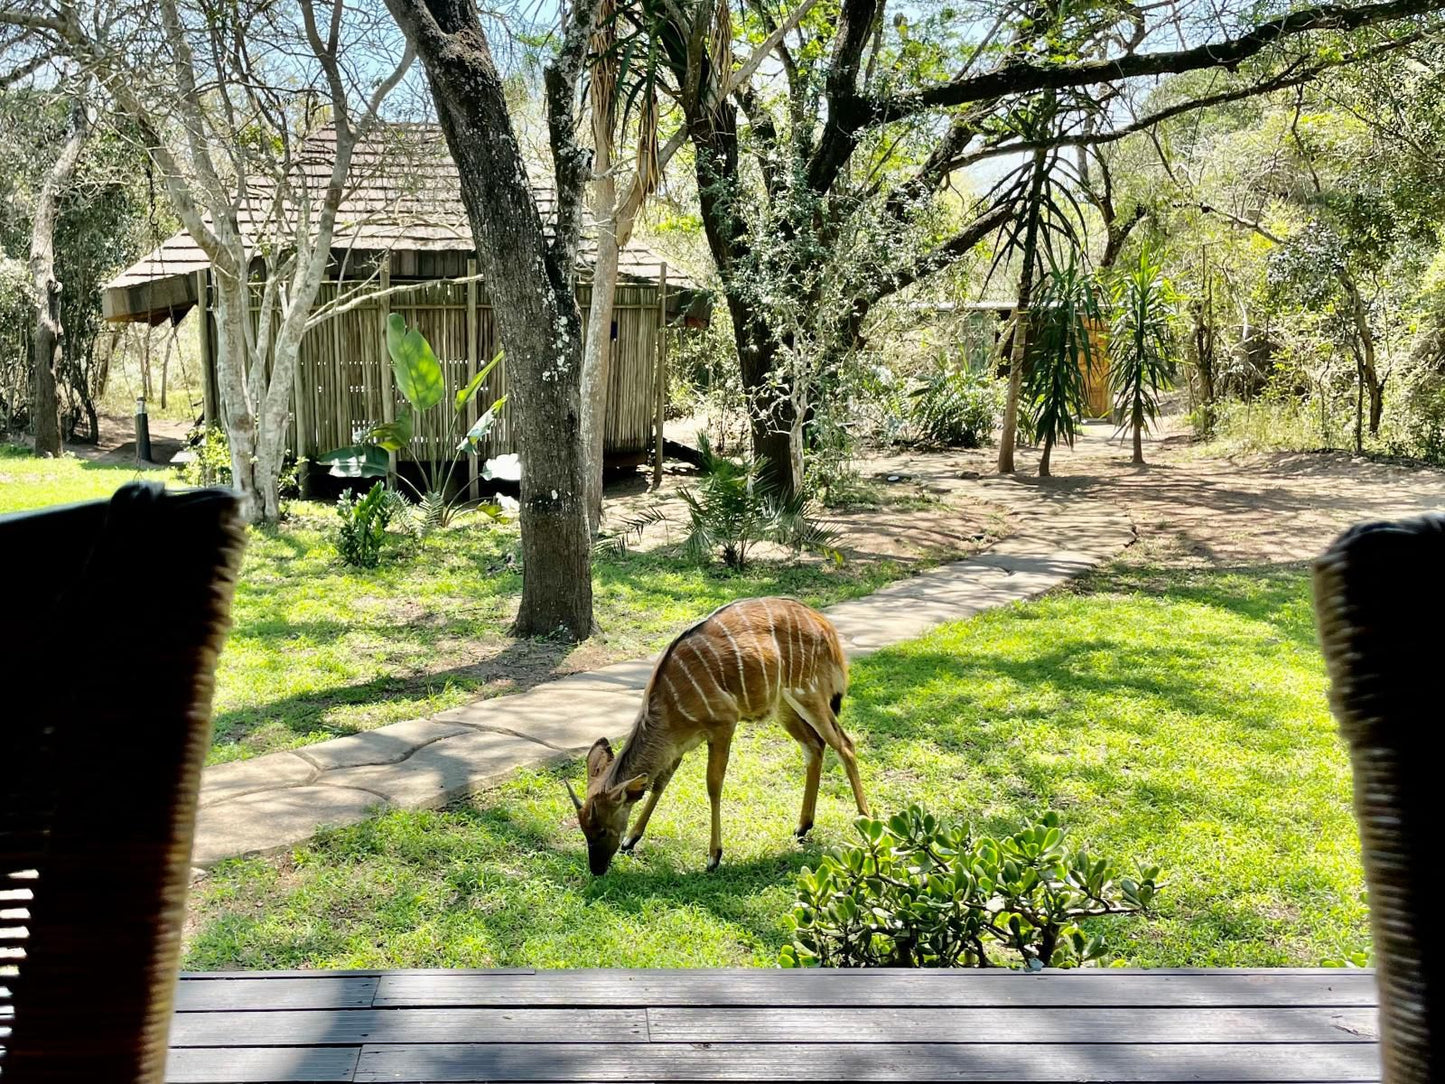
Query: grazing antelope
747	660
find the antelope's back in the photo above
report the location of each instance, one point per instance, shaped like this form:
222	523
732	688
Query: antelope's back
740	659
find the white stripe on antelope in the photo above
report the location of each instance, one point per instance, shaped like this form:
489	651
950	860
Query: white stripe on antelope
766	657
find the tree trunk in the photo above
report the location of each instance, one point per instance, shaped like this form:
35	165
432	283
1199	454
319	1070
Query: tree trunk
1369	373
774	420
535	307
46	355
1044	459
1008	435
1359	405
1204	364
597	353
1138	422
231	309
773	412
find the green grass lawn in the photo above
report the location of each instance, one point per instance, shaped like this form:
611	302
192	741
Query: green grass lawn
27	482
1177	717
318	649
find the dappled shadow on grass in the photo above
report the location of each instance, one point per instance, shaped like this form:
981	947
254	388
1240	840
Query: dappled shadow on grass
520	665
1269	593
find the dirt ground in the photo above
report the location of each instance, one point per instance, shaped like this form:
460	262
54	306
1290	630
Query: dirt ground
1190	508
908	522
116	442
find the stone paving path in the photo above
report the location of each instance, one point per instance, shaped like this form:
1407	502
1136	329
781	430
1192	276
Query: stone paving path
275	801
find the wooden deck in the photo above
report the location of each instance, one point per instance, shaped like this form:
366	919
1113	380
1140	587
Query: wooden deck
1237	1025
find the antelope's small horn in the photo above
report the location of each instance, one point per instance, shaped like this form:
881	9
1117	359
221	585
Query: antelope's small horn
576	801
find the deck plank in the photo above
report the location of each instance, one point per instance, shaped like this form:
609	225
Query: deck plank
1315	1026
260	990
815	988
459	1063
920	1025
277	1065
520	1025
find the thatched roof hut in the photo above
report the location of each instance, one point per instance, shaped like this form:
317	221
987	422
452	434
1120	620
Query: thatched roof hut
402	244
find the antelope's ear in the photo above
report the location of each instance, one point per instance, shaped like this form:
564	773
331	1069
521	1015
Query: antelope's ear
598	757
633	789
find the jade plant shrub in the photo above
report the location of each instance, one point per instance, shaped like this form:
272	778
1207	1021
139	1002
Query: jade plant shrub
922	892
363	526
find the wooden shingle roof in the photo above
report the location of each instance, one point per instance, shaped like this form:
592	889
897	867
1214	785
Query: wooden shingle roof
404	195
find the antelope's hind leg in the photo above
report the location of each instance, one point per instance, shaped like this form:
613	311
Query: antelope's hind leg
818	713
813	747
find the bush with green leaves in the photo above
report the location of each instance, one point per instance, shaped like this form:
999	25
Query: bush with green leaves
210	463
954	406
732	509
363	525
919	891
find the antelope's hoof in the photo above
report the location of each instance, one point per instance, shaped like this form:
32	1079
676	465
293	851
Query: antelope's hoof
714	861
802	831
628	845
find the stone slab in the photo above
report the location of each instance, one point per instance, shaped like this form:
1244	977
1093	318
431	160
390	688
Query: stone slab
445	770
225	782
270	820
564	717
384	745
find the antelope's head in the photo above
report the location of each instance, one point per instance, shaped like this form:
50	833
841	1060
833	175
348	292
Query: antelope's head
603	816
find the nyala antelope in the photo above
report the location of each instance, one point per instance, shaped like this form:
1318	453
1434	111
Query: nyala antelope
748	660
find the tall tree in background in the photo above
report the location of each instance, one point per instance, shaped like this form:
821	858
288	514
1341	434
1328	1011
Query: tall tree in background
225	102
531	280
853	86
46	340
630	84
100	227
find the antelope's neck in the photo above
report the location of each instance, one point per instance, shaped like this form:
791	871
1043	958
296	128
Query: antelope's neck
636	756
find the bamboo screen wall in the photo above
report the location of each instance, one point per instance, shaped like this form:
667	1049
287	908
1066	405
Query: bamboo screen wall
344	384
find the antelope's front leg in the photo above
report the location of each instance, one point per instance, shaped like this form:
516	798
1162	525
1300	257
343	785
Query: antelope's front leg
717	766
658	786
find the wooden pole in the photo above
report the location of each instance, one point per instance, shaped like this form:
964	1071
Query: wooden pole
473	361
388	396
660	364
209	406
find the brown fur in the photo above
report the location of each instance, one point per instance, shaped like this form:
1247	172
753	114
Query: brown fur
751	659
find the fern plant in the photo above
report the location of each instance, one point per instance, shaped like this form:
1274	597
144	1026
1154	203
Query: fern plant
954	406
1060	356
1142	357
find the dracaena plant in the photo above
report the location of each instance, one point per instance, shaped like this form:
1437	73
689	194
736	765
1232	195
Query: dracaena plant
422	384
919	891
1143	358
1060	355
